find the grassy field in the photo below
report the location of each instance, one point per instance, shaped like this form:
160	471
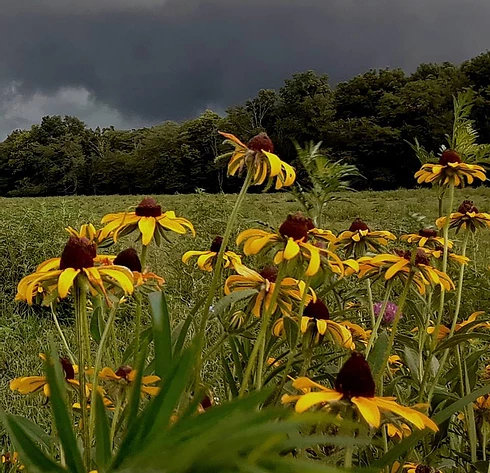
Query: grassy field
32	230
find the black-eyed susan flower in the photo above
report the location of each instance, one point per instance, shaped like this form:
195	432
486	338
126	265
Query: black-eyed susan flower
472	321
130	259
398	431
420	468
450	170
355	387
358	333
426	237
467	217
291	241
401	264
56	276
148	219
258	157
125	375
88	231
359	239
316	320
206	259
34	384
264	282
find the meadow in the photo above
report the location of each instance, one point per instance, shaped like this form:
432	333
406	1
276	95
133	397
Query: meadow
32	230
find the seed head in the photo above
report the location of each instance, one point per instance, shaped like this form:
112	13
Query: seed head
317	310
261	142
123	371
216	244
427	233
269	273
296	227
355	378
67	368
78	253
449	156
358	225
129	258
467	206
148	207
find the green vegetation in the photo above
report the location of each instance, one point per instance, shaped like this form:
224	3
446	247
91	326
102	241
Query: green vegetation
368	121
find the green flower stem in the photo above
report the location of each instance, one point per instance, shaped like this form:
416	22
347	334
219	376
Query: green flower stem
459	292
264	327
139	303
470	414
83	339
376	326
62	335
391	341
347	431
115	417
371	304
98	360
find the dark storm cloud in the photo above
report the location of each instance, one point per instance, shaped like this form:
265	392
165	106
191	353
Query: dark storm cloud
170	59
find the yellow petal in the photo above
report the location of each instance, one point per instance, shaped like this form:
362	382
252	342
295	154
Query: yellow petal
121	274
396	267
147	229
309	400
291	250
65	281
368	409
189	254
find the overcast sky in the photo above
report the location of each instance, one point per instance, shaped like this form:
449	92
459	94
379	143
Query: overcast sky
130	63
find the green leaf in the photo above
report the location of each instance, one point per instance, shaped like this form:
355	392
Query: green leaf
180	333
103	446
162	334
412	360
97	324
232	298
35	433
30	453
460	338
145	339
61	413
292	330
378	354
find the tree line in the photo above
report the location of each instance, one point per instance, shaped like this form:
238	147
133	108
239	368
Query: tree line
368	121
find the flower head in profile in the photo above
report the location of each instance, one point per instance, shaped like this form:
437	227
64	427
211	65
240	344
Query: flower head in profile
354	386
34	384
291	242
450	170
125	375
401	264
466	218
206	259
389	313
55	277
148	219
426	237
419	468
316	320
264	283
257	156
359	239
468	325
130	259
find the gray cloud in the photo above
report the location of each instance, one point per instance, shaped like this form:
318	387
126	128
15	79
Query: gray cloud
141	61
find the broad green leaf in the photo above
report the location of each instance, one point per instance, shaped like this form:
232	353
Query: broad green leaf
162	335
412	360
379	354
232	298
97	324
33	430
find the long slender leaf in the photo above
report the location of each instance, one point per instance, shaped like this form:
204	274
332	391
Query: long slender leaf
162	335
36	433
102	434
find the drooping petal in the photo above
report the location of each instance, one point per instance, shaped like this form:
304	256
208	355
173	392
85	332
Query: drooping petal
368	409
65	281
291	250
147	229
313	399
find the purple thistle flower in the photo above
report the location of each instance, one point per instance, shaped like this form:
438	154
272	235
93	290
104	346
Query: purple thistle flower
390	311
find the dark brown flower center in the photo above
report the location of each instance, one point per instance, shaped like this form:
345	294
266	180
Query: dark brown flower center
449	156
123	371
425	469
269	273
129	258
355	378
358	225
78	253
296	227
67	368
206	402
216	244
427	233
148	207
261	142
317	310
420	257
467	206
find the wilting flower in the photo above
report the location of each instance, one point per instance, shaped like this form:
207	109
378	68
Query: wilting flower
426	236
56	276
450	170
130	259
265	282
390	311
467	217
125	375
33	384
206	259
420	468
258	157
355	387
359	239
292	241
148	219
401	265
316	319
471	321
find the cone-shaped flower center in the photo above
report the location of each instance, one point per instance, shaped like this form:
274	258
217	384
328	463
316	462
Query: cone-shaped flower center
355	378
130	259
296	227
206	402
67	368
449	156
317	310
467	206
358	225
427	233
261	142
420	258
216	244
269	273
124	371
78	253
425	469
148	207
